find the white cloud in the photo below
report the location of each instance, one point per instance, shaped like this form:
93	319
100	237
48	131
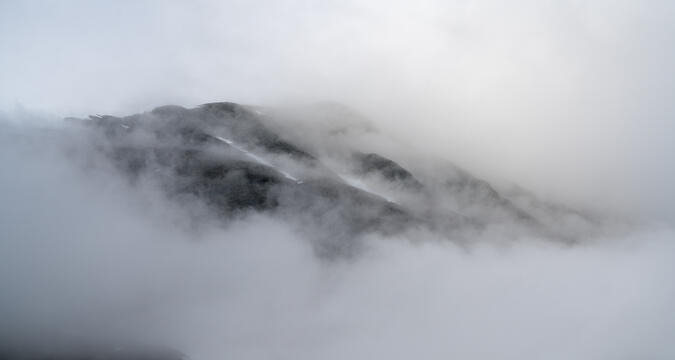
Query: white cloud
86	254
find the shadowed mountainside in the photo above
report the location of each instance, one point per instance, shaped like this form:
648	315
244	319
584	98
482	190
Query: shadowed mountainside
236	159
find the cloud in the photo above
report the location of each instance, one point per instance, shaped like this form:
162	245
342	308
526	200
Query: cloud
571	99
576	89
87	255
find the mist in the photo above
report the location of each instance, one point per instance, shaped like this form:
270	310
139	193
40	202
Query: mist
88	256
496	87
570	100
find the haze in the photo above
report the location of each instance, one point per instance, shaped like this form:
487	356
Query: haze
572	100
498	87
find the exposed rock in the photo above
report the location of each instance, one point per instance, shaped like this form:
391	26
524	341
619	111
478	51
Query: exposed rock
227	156
376	164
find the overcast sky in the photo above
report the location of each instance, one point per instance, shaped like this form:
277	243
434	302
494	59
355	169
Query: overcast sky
573	99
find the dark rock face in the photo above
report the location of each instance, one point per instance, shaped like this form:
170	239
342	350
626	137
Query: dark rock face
222	154
226	156
390	170
244	124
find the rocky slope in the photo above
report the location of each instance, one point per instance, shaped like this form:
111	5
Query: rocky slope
239	159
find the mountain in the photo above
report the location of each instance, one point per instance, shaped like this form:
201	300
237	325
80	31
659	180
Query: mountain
315	168
324	170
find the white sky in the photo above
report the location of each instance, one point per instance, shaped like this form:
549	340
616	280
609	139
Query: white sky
570	98
573	99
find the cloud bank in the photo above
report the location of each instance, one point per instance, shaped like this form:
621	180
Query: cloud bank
88	256
570	99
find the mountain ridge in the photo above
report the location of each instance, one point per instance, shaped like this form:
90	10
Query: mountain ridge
227	155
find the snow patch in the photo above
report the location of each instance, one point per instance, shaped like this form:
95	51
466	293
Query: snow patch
258	159
357	183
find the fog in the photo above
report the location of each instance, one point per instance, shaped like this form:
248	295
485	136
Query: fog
497	87
87	256
569	99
